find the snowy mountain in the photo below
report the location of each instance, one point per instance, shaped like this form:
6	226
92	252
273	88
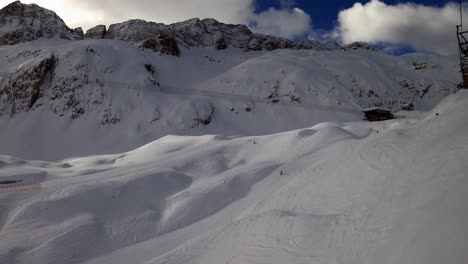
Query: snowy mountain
203	142
21	22
123	96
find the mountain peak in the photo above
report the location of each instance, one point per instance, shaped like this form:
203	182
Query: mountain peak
18	9
26	22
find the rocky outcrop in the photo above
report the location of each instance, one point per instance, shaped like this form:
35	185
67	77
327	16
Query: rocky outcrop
358	46
163	43
316	45
408	107
24	87
21	22
97	32
78	32
221	44
205	117
51	82
136	30
110	118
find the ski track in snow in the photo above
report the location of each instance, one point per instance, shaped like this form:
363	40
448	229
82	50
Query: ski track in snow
354	192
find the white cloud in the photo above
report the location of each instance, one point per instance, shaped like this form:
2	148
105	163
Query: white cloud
285	22
421	27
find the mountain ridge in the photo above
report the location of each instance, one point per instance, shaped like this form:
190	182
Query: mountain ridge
26	22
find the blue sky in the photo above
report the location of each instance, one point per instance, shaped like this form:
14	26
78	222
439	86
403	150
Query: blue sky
324	13
324	19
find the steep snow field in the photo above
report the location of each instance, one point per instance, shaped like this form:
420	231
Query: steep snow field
337	192
60	99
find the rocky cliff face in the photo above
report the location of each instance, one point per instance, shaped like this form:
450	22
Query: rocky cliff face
24	87
67	81
97	32
164	44
78	33
208	32
21	22
37	84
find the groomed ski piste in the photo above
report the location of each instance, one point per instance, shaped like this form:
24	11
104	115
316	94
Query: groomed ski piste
337	192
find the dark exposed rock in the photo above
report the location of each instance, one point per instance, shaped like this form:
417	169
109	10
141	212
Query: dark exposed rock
149	68
408	107
24	87
110	118
97	32
78	32
21	22
358	46
423	66
316	45
136	30
221	44
274	96
205	118
162	43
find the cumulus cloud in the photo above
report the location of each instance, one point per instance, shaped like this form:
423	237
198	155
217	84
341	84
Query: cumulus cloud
286	21
424	28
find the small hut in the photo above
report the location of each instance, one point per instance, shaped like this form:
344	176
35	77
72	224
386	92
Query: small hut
377	114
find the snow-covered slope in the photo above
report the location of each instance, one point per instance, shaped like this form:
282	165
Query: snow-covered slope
387	192
105	96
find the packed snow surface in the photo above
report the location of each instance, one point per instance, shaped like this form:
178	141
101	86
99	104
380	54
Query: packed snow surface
354	192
